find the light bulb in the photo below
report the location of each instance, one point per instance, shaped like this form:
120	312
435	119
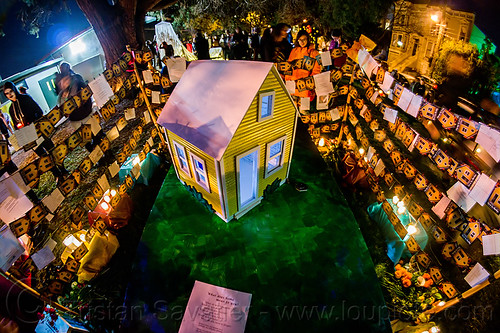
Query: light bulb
401	210
441	303
361	151
434	329
113	193
321	142
411	229
107	198
82	237
401	204
104	206
136	160
395	199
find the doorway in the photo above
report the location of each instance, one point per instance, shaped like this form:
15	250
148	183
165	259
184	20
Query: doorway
247	167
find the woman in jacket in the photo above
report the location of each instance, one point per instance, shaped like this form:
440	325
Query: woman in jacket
23	110
303	48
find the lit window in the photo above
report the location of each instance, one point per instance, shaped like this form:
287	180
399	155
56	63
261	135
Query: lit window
200	171
274	155
266	105
180	152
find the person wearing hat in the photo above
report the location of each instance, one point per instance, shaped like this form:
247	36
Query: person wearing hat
23	110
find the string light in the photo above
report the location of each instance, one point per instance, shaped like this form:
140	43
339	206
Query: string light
104	206
411	229
113	193
321	142
395	199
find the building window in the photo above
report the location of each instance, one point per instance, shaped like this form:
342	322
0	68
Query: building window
274	155
266	105
200	171
180	152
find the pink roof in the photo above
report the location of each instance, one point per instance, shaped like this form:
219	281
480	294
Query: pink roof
210	101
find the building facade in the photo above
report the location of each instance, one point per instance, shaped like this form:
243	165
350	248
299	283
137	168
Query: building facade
419	29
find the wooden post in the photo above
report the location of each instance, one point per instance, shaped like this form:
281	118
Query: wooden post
150	109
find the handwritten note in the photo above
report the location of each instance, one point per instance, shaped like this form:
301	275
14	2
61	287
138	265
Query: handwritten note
326	59
53	200
147	117
477	275
96	154
103	182
129	113
335	114
114	168
155	97
489	139
390	115
387	83
322	102
460	194
101	90
379	167
482	189
440	207
414	106
10	248
43	257
405	99
95	127
26	134
305	103
491	245
323	84
113	134
148	76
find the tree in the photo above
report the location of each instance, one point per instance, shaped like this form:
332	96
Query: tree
116	22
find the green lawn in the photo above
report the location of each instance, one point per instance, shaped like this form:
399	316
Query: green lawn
300	254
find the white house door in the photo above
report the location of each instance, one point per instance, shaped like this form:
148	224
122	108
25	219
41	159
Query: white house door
247	168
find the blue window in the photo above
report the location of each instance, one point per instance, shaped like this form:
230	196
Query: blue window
266	105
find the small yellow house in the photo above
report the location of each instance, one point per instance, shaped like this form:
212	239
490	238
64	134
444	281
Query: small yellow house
441	160
230	129
448	289
429	110
420	182
494	199
471	232
426	221
423	146
465	174
461	258
448	250
423	259
433	194
447	118
468	128
435	274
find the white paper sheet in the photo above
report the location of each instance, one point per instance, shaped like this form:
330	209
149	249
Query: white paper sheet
51	244
414	106
305	103
176	67
335	114
155	97
95	127
148	76
136	170
387	83
362	57
101	90
390	115
441	206
476	275
214	309
369	153
43	257
114	168
482	189
491	245
489	139
10	248
14	143
459	193
151	142
103	182
326	59
379	167
370	65
405	99
147	117
18	179
13	203
290	86
374	97
113	134
26	135
322	102
129	114
96	154
363	111
53	200
323	84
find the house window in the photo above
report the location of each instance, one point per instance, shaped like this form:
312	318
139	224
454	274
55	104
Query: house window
200	171
274	155
180	152
266	105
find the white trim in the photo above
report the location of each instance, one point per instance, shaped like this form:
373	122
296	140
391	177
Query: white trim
267	172
248	152
247	208
194	158
186	171
221	190
265	94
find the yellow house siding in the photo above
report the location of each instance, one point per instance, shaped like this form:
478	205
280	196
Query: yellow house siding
252	133
212	197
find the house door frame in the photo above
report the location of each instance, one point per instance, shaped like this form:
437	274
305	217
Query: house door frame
253	181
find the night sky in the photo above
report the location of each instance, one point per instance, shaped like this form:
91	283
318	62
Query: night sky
21	51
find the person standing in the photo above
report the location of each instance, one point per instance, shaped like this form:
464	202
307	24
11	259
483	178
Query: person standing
303	48
419	87
255	43
23	110
239	44
5	127
201	46
275	47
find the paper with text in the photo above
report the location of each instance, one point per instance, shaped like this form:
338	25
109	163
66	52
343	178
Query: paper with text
101	90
